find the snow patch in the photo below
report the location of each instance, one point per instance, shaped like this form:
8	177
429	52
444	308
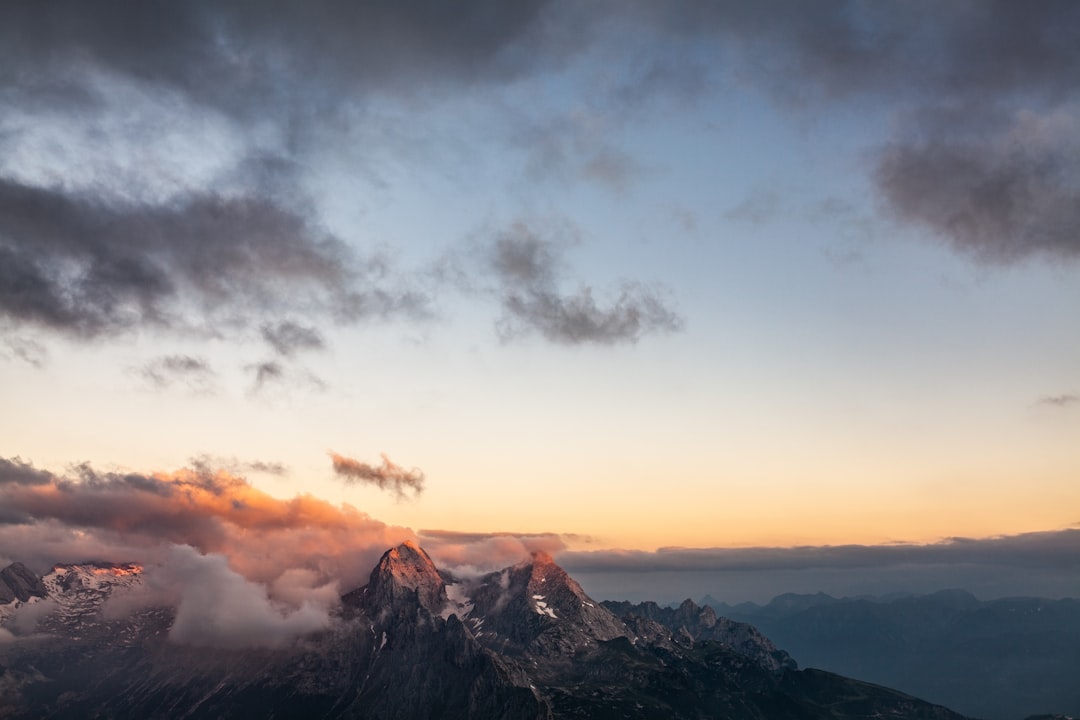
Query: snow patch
541	608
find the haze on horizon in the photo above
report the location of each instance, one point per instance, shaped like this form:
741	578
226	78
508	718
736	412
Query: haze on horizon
789	290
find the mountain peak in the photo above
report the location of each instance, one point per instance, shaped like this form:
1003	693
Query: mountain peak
542	557
407	571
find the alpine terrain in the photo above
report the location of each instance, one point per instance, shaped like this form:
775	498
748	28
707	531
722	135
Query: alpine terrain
415	642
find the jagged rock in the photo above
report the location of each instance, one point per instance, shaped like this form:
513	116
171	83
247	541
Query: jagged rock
700	624
18	583
404	572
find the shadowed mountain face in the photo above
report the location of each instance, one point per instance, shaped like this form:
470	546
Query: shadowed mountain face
525	642
999	659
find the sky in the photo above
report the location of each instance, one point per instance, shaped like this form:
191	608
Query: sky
720	297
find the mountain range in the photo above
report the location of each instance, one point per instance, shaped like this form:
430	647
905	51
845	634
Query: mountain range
994	659
415	642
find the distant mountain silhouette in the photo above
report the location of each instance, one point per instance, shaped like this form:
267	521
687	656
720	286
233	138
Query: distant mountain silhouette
999	659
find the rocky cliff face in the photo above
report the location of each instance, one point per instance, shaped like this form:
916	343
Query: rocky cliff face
525	642
693	623
18	583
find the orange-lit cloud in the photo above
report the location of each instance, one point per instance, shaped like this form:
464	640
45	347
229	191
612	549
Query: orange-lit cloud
136	517
388	476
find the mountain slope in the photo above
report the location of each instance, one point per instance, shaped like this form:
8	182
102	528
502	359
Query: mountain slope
415	642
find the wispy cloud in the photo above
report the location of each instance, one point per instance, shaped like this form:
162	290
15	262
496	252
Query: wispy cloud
387	476
1061	401
287	337
528	270
193	372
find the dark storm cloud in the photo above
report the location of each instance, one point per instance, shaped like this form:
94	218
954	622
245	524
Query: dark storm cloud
288	338
193	372
528	269
387	476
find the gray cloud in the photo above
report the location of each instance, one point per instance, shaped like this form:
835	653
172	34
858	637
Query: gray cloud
1059	550
528	268
266	372
387	476
999	194
1043	563
273	53
288	338
167	370
1061	401
207	465
26	349
22	473
84	267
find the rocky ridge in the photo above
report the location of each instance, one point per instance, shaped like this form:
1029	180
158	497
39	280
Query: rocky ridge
417	642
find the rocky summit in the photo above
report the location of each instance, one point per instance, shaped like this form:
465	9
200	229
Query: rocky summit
415	642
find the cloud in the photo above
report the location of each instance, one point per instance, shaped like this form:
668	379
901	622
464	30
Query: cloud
1059	549
1034	564
83	267
477	553
218	607
527	269
17	472
287	337
194	372
999	194
266	372
207	465
1061	401
135	517
28	350
386	476
983	150
331	49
